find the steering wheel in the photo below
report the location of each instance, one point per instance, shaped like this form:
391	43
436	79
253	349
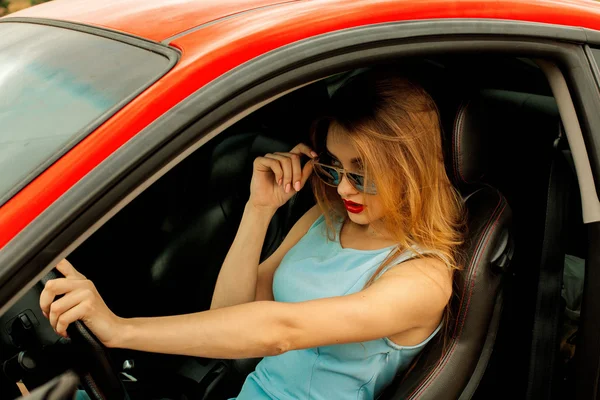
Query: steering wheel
98	376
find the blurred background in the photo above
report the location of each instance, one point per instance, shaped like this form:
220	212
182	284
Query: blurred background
10	6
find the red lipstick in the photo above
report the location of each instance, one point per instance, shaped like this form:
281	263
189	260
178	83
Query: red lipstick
354	208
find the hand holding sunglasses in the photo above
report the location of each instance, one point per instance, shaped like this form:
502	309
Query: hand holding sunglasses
278	176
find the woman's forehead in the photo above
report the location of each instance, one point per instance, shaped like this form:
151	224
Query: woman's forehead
340	145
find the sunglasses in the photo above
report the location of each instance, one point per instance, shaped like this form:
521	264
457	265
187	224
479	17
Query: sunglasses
332	176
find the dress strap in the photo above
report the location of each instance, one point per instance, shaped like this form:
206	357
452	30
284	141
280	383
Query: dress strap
320	219
409	254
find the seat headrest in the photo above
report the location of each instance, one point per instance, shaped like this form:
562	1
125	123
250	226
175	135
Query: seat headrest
466	147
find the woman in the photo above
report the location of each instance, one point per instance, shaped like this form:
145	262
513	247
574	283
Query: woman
361	282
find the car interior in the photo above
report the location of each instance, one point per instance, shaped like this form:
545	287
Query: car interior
506	152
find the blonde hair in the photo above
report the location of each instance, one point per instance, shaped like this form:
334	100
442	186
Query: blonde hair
395	127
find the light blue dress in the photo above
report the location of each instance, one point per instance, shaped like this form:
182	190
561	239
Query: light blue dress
316	268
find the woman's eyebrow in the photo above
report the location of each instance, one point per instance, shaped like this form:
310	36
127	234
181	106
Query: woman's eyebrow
356	161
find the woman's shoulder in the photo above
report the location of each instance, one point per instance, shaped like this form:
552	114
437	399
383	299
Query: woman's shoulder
420	263
310	219
421	252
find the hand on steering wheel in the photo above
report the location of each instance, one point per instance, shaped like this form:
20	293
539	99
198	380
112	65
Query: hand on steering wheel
80	301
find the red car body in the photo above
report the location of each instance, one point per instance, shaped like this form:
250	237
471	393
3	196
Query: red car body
214	37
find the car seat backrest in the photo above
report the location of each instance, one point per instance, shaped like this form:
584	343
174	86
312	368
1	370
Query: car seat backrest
187	267
453	363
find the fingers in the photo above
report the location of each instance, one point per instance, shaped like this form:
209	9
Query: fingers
306	171
65	303
296	170
292	168
60	286
288	169
74	314
67	269
304	149
266	164
308	167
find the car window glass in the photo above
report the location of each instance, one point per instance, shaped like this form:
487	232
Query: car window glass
596	54
56	86
576	244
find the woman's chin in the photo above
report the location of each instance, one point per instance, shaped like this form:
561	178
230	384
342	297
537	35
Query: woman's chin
358	218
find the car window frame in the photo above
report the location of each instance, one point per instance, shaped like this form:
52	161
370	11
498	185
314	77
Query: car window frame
127	172
170	53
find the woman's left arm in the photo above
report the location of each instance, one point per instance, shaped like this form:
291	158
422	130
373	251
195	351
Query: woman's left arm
406	297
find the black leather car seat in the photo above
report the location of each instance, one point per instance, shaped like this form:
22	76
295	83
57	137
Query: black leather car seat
536	182
452	365
187	268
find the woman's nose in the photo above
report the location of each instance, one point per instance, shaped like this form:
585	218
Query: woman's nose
346	189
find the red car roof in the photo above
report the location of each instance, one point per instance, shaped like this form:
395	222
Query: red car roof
151	19
159	19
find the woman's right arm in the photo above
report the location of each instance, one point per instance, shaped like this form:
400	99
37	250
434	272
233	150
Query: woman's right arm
236	283
238	280
275	179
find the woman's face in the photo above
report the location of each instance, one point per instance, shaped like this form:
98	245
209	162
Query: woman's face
362	208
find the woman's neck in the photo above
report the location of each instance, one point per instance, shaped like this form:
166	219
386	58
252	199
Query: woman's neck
374	230
364	237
